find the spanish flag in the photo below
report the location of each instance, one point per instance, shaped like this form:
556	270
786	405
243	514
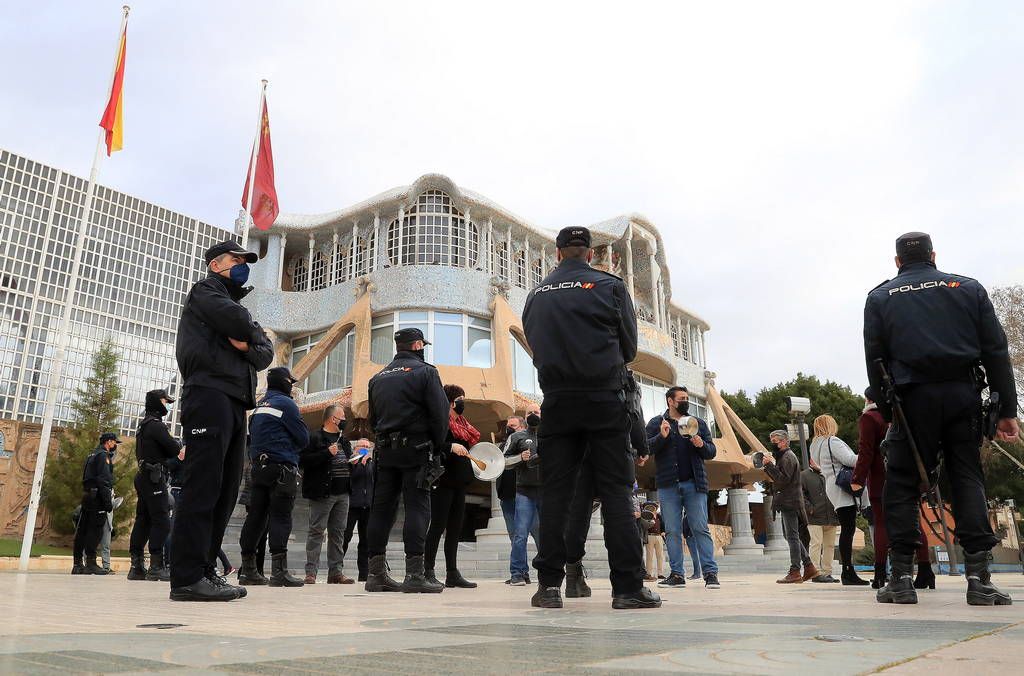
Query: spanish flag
113	116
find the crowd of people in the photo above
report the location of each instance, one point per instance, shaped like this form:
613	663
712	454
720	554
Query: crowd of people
577	448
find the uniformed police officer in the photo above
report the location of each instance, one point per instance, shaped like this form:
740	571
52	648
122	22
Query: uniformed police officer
97	500
154	446
409	416
219	349
932	329
581	325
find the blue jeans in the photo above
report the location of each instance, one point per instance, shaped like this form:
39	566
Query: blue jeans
691	545
508	510
674	499
527	521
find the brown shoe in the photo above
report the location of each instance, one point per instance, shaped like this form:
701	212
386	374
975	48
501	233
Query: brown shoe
650	578
310	579
339	578
809	572
794	577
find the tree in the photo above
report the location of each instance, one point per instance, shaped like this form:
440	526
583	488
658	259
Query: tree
1009	305
94	411
768	410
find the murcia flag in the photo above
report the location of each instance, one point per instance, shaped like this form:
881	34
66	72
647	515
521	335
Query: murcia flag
264	195
113	115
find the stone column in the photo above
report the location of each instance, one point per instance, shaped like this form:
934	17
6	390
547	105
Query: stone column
309	263
508	254
376	243
739	518
490	246
280	261
629	263
333	276
775	541
355	250
401	229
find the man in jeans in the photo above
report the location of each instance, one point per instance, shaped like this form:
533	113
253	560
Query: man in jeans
522	446
326	483
783	467
683	485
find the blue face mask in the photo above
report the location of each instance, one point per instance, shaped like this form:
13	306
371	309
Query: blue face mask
240	274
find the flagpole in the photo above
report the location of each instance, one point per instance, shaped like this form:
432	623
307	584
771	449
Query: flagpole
63	334
252	165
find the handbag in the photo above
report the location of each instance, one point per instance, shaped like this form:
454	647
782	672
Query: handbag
843	475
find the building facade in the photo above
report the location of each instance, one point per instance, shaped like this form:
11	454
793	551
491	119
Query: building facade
139	262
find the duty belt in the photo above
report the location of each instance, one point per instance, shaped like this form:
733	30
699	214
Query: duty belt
388	440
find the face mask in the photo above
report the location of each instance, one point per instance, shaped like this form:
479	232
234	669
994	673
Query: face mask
240	273
533	420
460	406
341	424
683	407
509	432
161	408
419	353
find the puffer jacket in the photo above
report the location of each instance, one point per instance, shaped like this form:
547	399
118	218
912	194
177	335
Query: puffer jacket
785	476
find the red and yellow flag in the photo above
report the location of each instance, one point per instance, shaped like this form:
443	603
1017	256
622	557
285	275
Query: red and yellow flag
113	116
264	194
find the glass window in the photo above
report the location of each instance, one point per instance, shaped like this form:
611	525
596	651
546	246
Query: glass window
457	339
433	232
478	350
524	375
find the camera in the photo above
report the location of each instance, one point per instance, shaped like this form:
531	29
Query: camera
798	405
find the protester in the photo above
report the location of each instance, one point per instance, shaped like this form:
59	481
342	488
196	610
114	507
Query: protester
783	468
870	473
821	522
683	485
831	454
524	446
506	483
362	471
655	543
278	437
97	500
326	484
448	497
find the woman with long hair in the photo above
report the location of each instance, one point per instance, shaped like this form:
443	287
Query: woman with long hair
448	497
831	454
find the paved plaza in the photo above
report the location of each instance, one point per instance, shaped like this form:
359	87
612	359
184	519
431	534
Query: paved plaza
55	623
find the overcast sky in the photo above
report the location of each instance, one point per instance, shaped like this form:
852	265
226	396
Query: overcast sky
779	147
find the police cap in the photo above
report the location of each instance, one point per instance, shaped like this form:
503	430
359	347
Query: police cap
914	246
407	336
575	236
109	436
160	394
229	246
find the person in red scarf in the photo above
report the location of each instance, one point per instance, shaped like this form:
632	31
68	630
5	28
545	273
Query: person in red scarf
448	497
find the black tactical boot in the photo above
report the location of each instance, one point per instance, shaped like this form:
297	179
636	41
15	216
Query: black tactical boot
455	579
249	574
925	576
280	576
900	588
210	572
980	590
850	577
415	580
91	568
644	598
880	576
428	573
576	581
158	570
78	568
138	569
377	579
203	590
547	597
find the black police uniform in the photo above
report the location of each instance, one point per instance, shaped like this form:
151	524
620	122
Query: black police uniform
408	411
931	328
97	500
154	446
581	326
219	386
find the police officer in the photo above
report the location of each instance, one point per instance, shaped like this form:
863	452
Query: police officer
154	446
97	500
278	434
581	325
219	350
932	329
409	416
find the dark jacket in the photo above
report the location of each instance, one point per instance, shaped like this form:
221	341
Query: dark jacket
458	471
176	474
153	441
870	468
406	397
931	326
820	511
98	475
581	327
277	430
666	452
362	485
785	476
206	358
527	473
315	460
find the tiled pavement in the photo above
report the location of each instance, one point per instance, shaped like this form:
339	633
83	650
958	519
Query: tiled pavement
53	623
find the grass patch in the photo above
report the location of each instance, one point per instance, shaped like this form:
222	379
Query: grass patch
12	547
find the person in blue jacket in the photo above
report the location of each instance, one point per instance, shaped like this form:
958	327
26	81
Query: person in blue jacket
683	485
277	435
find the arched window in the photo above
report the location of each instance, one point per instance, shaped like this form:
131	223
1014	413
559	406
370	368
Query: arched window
300	276
535	274
318	271
501	253
520	268
433	232
341	263
361	251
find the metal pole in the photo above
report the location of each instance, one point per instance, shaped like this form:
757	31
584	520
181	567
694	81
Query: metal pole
63	334
803	439
252	165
